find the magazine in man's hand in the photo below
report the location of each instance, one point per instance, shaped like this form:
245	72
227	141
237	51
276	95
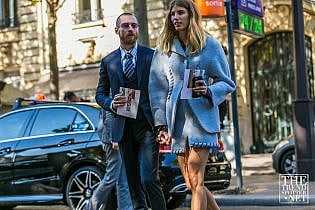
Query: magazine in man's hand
130	109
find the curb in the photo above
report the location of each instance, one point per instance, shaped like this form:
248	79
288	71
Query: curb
253	200
261	200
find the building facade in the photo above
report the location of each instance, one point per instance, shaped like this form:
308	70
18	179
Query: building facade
85	33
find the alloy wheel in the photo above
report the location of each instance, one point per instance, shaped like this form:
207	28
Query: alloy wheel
288	163
81	185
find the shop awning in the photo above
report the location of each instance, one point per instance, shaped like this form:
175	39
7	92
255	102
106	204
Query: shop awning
78	80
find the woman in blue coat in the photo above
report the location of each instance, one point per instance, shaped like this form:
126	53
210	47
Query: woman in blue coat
190	124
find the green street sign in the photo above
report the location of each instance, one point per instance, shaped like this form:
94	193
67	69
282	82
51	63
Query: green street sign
248	24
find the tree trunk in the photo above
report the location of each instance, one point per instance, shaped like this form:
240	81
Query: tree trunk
140	10
53	63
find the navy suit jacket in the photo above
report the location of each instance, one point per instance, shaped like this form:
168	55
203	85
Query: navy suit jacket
111	78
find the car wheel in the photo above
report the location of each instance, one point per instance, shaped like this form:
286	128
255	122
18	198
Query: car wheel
288	163
81	185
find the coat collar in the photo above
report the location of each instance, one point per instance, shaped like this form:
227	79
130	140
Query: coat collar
177	48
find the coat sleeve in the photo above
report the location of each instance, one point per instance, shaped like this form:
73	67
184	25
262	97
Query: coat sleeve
158	88
223	84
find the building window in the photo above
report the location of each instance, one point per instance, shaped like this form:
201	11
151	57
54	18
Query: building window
8	17
272	89
88	11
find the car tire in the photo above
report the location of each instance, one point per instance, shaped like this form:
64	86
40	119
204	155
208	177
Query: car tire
80	186
288	163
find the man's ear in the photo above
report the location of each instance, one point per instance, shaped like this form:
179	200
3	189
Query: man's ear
116	30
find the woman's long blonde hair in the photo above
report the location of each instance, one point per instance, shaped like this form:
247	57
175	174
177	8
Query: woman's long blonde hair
195	33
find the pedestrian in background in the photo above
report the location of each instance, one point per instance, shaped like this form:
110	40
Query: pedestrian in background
115	172
72	97
128	67
192	124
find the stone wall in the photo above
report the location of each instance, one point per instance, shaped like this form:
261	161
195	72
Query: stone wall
20	48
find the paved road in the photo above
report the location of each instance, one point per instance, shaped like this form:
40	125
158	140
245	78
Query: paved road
222	208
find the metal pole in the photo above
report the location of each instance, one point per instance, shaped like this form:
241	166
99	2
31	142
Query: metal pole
302	106
238	162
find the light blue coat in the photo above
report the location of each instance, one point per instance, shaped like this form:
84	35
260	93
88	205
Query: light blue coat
166	81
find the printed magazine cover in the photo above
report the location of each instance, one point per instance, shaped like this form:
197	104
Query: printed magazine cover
131	107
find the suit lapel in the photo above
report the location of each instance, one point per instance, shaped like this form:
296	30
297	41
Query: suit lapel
118	66
139	64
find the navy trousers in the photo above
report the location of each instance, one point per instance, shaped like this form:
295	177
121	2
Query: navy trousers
140	152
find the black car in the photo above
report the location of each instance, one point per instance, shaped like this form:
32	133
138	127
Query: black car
51	153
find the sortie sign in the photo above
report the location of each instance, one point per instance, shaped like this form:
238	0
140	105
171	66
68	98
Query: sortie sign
210	8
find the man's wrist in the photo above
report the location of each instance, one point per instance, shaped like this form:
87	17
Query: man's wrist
112	107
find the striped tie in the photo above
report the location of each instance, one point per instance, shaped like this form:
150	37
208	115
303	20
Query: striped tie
129	65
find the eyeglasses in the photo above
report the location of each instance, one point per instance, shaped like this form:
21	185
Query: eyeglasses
127	25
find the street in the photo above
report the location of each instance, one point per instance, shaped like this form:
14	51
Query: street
60	207
259	180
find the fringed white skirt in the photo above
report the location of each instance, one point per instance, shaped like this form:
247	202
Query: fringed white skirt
189	133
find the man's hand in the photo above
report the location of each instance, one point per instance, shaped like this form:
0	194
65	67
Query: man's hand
115	145
119	100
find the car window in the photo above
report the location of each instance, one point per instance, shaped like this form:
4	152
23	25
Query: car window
80	124
53	120
11	126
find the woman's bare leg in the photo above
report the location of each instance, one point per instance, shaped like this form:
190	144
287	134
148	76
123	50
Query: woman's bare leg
202	199
181	158
197	160
208	198
211	203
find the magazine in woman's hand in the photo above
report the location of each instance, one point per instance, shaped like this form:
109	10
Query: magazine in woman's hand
190	78
130	109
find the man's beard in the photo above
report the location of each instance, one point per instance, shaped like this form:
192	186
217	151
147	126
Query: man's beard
129	40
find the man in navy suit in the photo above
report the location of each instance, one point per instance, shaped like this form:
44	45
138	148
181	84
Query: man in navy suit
129	66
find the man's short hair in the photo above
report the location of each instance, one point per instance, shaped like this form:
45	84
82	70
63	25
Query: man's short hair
118	18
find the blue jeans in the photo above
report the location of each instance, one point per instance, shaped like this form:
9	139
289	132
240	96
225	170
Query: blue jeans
115	175
141	155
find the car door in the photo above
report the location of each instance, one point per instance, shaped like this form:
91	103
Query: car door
12	128
57	136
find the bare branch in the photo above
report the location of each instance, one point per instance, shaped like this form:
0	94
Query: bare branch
60	5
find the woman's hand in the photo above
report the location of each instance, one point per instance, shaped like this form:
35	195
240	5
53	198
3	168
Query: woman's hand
163	137
200	88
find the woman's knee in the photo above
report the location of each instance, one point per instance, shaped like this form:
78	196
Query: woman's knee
195	179
195	176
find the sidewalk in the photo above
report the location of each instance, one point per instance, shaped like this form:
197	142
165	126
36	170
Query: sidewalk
260	186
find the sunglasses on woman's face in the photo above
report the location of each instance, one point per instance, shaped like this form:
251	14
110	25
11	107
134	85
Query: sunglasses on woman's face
127	25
